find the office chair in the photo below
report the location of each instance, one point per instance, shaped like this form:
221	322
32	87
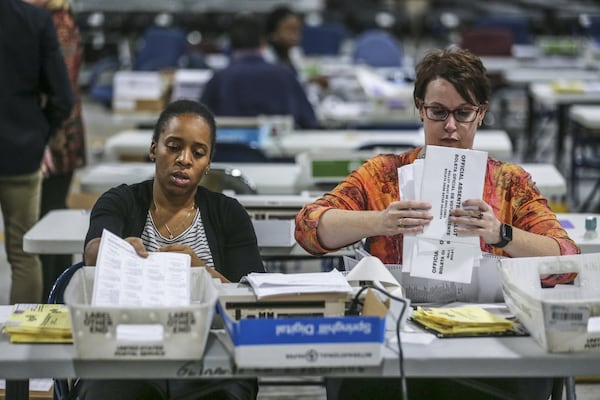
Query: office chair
377	49
160	48
223	177
324	39
56	296
518	26
488	41
238	152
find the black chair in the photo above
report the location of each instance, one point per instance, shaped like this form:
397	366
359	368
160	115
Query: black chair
56	296
238	152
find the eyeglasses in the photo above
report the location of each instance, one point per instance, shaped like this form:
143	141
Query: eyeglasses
439	113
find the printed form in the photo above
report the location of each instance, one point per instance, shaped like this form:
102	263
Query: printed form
452	176
123	278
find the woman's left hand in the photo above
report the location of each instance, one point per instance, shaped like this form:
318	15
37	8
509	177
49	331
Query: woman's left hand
185	249
477	218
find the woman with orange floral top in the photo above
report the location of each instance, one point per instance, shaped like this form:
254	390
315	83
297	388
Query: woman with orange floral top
451	93
512	218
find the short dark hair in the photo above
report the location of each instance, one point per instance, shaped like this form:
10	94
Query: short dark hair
184	106
463	69
275	16
245	32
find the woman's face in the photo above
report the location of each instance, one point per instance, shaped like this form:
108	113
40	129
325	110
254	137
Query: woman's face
182	153
441	95
288	31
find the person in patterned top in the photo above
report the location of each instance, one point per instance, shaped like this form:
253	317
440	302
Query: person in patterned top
451	95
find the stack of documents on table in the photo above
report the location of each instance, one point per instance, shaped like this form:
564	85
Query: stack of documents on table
273	284
452	176
467	320
39	323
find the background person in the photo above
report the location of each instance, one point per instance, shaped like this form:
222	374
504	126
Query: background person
250	86
283	29
451	94
65	151
35	98
172	213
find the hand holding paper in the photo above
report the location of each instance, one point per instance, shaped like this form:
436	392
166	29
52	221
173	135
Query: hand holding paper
452	176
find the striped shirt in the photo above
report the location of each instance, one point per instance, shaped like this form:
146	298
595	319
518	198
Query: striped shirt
194	236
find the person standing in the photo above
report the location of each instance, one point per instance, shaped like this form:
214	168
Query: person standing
65	151
35	98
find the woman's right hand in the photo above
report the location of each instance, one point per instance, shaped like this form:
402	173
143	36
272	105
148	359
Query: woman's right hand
138	246
405	216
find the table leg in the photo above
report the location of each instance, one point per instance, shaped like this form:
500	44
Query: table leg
17	389
561	134
528	153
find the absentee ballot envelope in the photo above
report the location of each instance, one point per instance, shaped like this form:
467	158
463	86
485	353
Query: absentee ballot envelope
452	176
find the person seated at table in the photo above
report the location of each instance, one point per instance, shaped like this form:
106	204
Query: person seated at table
452	95
283	29
250	86
172	213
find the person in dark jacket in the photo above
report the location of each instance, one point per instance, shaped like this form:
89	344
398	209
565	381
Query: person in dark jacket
171	213
65	151
35	98
250	86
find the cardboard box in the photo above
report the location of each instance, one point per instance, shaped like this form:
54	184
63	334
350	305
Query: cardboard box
565	318
141	91
305	342
275	232
161	333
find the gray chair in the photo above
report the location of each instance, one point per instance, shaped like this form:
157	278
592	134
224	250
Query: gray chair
223	177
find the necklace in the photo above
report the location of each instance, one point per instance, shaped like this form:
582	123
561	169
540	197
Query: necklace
184	221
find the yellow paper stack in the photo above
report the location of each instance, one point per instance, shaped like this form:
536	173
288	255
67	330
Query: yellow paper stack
461	320
568	86
39	323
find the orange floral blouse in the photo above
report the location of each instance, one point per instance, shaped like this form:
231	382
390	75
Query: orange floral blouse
508	189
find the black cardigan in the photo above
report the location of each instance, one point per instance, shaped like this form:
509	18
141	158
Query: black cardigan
35	93
229	230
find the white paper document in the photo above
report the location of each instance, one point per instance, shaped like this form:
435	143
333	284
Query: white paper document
446	178
485	285
271	284
122	278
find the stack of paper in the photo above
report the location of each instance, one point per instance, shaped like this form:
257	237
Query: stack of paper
122	278
273	284
461	320
452	176
39	323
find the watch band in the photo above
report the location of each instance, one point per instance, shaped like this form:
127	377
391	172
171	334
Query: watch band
505	236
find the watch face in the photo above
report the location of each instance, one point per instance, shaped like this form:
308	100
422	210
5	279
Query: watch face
506	232
505	235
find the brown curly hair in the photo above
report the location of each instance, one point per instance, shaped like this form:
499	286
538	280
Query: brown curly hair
463	69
